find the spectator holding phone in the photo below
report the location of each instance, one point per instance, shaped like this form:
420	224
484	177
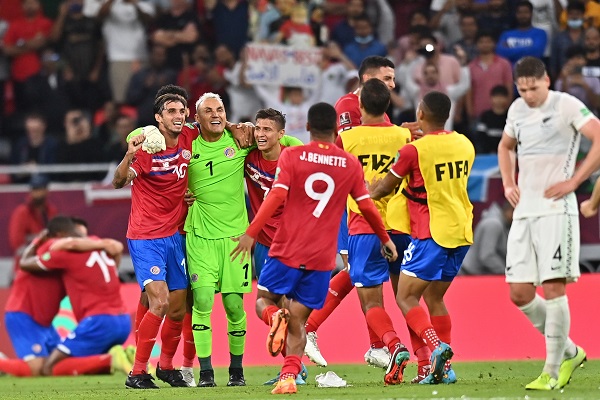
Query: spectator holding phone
571	79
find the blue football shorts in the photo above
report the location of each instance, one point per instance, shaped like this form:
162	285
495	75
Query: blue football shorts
159	260
402	241
427	260
342	243
307	287
30	339
261	255
96	334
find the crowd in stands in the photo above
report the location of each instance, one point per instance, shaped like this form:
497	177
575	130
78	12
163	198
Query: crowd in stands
77	75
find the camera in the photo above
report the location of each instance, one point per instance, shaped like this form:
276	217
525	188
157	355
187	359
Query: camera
427	51
576	70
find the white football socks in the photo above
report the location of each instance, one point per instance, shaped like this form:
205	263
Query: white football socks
558	323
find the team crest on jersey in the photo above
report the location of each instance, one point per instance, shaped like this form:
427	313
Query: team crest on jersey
186	154
155	270
194	277
345	119
229	152
46	256
36	348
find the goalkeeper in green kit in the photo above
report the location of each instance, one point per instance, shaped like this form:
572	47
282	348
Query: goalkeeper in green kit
216	179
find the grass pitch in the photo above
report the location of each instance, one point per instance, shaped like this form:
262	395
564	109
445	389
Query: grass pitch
482	380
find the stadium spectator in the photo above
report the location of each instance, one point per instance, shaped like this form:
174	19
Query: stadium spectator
365	43
242	96
568	37
487	71
370	268
199	75
343	33
447	19
591	16
117	145
177	30
82	53
419	22
435	254
317	25
154	241
4	71
525	40
496	18
545	17
49	91
295	269
296	31
79	147
491	122
23	41
31	217
336	70
487	255
103	326
272	18
144	83
122	19
225	14
592	52
36	147
572	81
468	41
430	52
547	126
432	82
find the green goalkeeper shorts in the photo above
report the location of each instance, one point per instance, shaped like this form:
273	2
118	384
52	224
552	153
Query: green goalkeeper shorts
209	265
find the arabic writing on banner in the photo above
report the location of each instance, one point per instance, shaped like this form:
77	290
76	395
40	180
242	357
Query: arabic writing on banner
283	65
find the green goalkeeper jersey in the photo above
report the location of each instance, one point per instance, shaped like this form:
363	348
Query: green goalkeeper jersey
216	177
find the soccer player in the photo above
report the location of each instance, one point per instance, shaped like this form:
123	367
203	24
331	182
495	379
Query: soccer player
543	241
375	143
153	238
314	181
437	166
349	116
93	287
260	169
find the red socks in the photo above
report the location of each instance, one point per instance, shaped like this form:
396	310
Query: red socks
267	314
147	333
170	335
339	287
90	365
15	367
418	320
139	315
443	327
291	367
380	323
189	348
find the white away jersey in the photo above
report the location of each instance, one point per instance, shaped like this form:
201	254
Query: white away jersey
547	146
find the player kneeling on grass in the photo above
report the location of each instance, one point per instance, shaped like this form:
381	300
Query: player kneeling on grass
89	272
314	181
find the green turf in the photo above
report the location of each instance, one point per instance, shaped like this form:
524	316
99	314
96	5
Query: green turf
475	380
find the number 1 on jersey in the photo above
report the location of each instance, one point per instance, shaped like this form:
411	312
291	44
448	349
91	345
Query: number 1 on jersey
210	167
103	261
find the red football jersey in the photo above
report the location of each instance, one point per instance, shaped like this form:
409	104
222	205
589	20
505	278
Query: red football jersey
348	112
37	295
408	164
157	207
90	278
259	174
318	177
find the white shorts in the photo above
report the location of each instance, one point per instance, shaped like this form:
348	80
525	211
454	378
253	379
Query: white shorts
543	248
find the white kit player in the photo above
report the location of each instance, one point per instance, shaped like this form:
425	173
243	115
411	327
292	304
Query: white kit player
544	127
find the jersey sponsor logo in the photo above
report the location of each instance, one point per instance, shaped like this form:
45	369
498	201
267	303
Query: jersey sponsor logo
452	170
379	162
229	152
345	119
186	154
155	270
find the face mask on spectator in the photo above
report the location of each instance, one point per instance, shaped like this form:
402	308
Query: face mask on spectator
363	39
574	23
